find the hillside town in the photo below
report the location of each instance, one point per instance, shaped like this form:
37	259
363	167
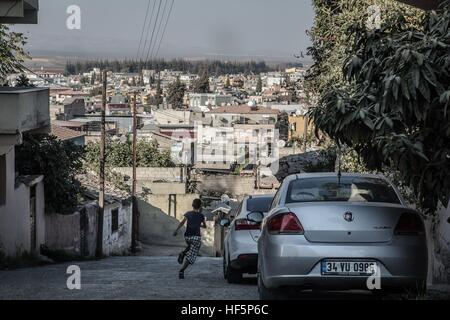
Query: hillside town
105	161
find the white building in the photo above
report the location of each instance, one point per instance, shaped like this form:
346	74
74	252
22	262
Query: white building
22	208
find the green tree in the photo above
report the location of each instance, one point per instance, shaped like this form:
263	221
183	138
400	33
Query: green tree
93	77
23	81
84	80
159	100
259	85
59	162
201	85
175	94
12	54
392	103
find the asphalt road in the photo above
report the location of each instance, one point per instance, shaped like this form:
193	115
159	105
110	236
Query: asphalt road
139	278
145	278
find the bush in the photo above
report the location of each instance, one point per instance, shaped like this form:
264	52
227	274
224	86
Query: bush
59	162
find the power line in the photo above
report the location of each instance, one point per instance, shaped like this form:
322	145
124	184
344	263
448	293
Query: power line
143	29
153	31
159	29
148	30
165	27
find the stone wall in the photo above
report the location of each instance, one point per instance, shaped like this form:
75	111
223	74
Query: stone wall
153	174
439	247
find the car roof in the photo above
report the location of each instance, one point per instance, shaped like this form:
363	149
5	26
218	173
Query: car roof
256	196
334	174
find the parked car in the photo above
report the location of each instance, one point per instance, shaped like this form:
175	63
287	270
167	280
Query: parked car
240	244
330	231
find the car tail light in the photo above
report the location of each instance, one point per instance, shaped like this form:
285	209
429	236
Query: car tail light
244	224
410	224
285	223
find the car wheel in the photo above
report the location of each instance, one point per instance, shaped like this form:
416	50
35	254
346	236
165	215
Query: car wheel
265	293
232	275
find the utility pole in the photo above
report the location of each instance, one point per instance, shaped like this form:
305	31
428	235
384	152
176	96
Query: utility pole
135	222
101	195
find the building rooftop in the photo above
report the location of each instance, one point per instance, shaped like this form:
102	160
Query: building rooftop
65	134
243	109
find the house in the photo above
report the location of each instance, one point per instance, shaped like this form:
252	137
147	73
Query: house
73	108
22	202
243	114
209	100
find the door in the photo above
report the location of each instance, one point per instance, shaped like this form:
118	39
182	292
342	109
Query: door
33	230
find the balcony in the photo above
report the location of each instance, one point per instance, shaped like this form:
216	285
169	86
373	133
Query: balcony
19	11
24	109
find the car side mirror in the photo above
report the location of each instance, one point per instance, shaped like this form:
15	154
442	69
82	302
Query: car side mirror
224	223
256	217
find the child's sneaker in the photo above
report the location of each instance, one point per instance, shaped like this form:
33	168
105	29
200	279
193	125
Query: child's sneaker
181	275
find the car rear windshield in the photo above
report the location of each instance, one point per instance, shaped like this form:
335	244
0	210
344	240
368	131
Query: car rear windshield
259	204
346	189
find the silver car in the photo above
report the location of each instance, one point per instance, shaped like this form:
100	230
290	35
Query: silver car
240	244
340	232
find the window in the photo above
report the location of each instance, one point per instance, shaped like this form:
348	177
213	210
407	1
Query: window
114	220
2	180
259	204
348	189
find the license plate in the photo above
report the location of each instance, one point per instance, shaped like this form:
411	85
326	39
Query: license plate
348	268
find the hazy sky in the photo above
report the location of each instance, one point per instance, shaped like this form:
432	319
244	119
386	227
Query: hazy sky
264	29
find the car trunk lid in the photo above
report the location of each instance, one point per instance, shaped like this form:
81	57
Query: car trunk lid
348	222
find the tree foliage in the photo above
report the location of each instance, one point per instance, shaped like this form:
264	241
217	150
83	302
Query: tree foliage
12	54
159	100
390	102
119	154
23	81
59	162
259	85
215	67
175	94
201	85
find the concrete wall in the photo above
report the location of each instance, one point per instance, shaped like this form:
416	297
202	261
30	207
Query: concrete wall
64	231
23	109
163	188
119	242
156	227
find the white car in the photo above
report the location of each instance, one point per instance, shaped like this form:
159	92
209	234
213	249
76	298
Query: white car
240	245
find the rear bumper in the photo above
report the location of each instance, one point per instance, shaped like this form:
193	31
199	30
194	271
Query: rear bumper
246	263
293	261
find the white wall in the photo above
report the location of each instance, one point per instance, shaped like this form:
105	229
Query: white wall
15	224
119	242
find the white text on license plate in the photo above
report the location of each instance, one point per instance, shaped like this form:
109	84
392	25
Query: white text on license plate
348	267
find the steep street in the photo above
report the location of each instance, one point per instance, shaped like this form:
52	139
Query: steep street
126	278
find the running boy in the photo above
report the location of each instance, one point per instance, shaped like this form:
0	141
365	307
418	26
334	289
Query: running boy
195	220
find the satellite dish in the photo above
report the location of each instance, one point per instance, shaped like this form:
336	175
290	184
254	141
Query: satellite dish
281	144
